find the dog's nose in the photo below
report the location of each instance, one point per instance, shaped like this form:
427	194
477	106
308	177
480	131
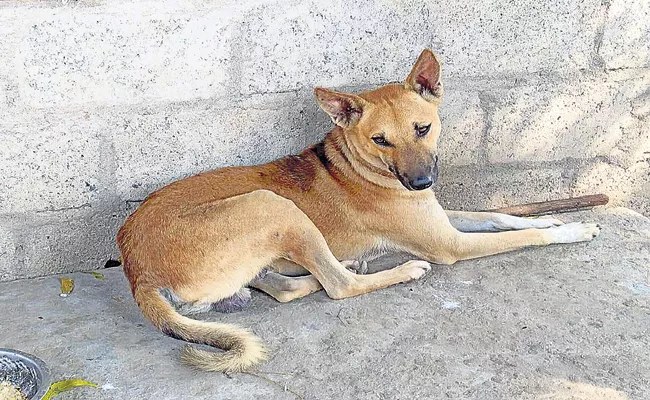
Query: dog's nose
422	182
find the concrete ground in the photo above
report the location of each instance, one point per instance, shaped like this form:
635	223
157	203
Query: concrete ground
564	322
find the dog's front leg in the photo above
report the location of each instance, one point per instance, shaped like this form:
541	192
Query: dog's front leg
438	241
466	221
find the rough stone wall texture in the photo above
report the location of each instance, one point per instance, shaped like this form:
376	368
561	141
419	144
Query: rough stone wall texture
102	102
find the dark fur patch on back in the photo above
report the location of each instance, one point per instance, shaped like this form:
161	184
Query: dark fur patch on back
319	150
295	171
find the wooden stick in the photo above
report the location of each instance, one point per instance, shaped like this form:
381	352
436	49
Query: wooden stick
554	206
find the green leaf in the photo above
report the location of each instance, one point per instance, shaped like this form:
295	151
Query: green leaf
97	275
63	386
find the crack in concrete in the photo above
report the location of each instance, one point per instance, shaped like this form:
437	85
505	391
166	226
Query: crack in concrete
598	61
240	40
287	91
79	207
622	69
484	101
567	162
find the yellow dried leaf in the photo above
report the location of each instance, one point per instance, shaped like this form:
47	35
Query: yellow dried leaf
64	386
97	275
67	285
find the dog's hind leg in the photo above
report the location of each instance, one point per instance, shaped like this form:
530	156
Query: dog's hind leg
338	281
495	222
286	288
294	237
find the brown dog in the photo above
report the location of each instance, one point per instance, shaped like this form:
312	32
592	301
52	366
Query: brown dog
282	227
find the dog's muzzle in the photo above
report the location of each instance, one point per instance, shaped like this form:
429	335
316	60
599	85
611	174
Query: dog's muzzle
421	180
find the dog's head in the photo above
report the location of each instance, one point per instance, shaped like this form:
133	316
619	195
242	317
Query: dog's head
394	128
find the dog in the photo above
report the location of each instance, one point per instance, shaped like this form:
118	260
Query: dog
291	227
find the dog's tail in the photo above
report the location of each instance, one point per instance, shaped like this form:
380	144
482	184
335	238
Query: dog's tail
242	348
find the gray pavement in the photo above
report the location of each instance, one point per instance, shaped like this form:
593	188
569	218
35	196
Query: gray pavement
563	322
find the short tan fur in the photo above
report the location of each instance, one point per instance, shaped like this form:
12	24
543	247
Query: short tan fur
288	226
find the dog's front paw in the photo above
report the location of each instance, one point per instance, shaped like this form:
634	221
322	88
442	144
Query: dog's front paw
574	232
415	269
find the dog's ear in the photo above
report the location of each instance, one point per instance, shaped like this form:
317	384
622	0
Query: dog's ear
344	109
425	77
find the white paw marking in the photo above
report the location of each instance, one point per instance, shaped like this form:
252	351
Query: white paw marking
415	269
574	232
509	222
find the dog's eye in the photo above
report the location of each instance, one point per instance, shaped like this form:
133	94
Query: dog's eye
422	130
380	140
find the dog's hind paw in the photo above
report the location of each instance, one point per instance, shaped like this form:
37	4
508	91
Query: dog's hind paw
358	267
574	232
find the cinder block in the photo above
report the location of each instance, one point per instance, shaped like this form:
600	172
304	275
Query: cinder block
317	123
119	53
8	92
73	240
7	254
122	52
626	38
295	44
584	118
49	161
629	187
463	123
156	146
475	188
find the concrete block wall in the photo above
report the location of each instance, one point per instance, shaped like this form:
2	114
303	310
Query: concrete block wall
102	102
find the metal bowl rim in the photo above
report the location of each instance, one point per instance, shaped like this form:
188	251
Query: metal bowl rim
41	369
